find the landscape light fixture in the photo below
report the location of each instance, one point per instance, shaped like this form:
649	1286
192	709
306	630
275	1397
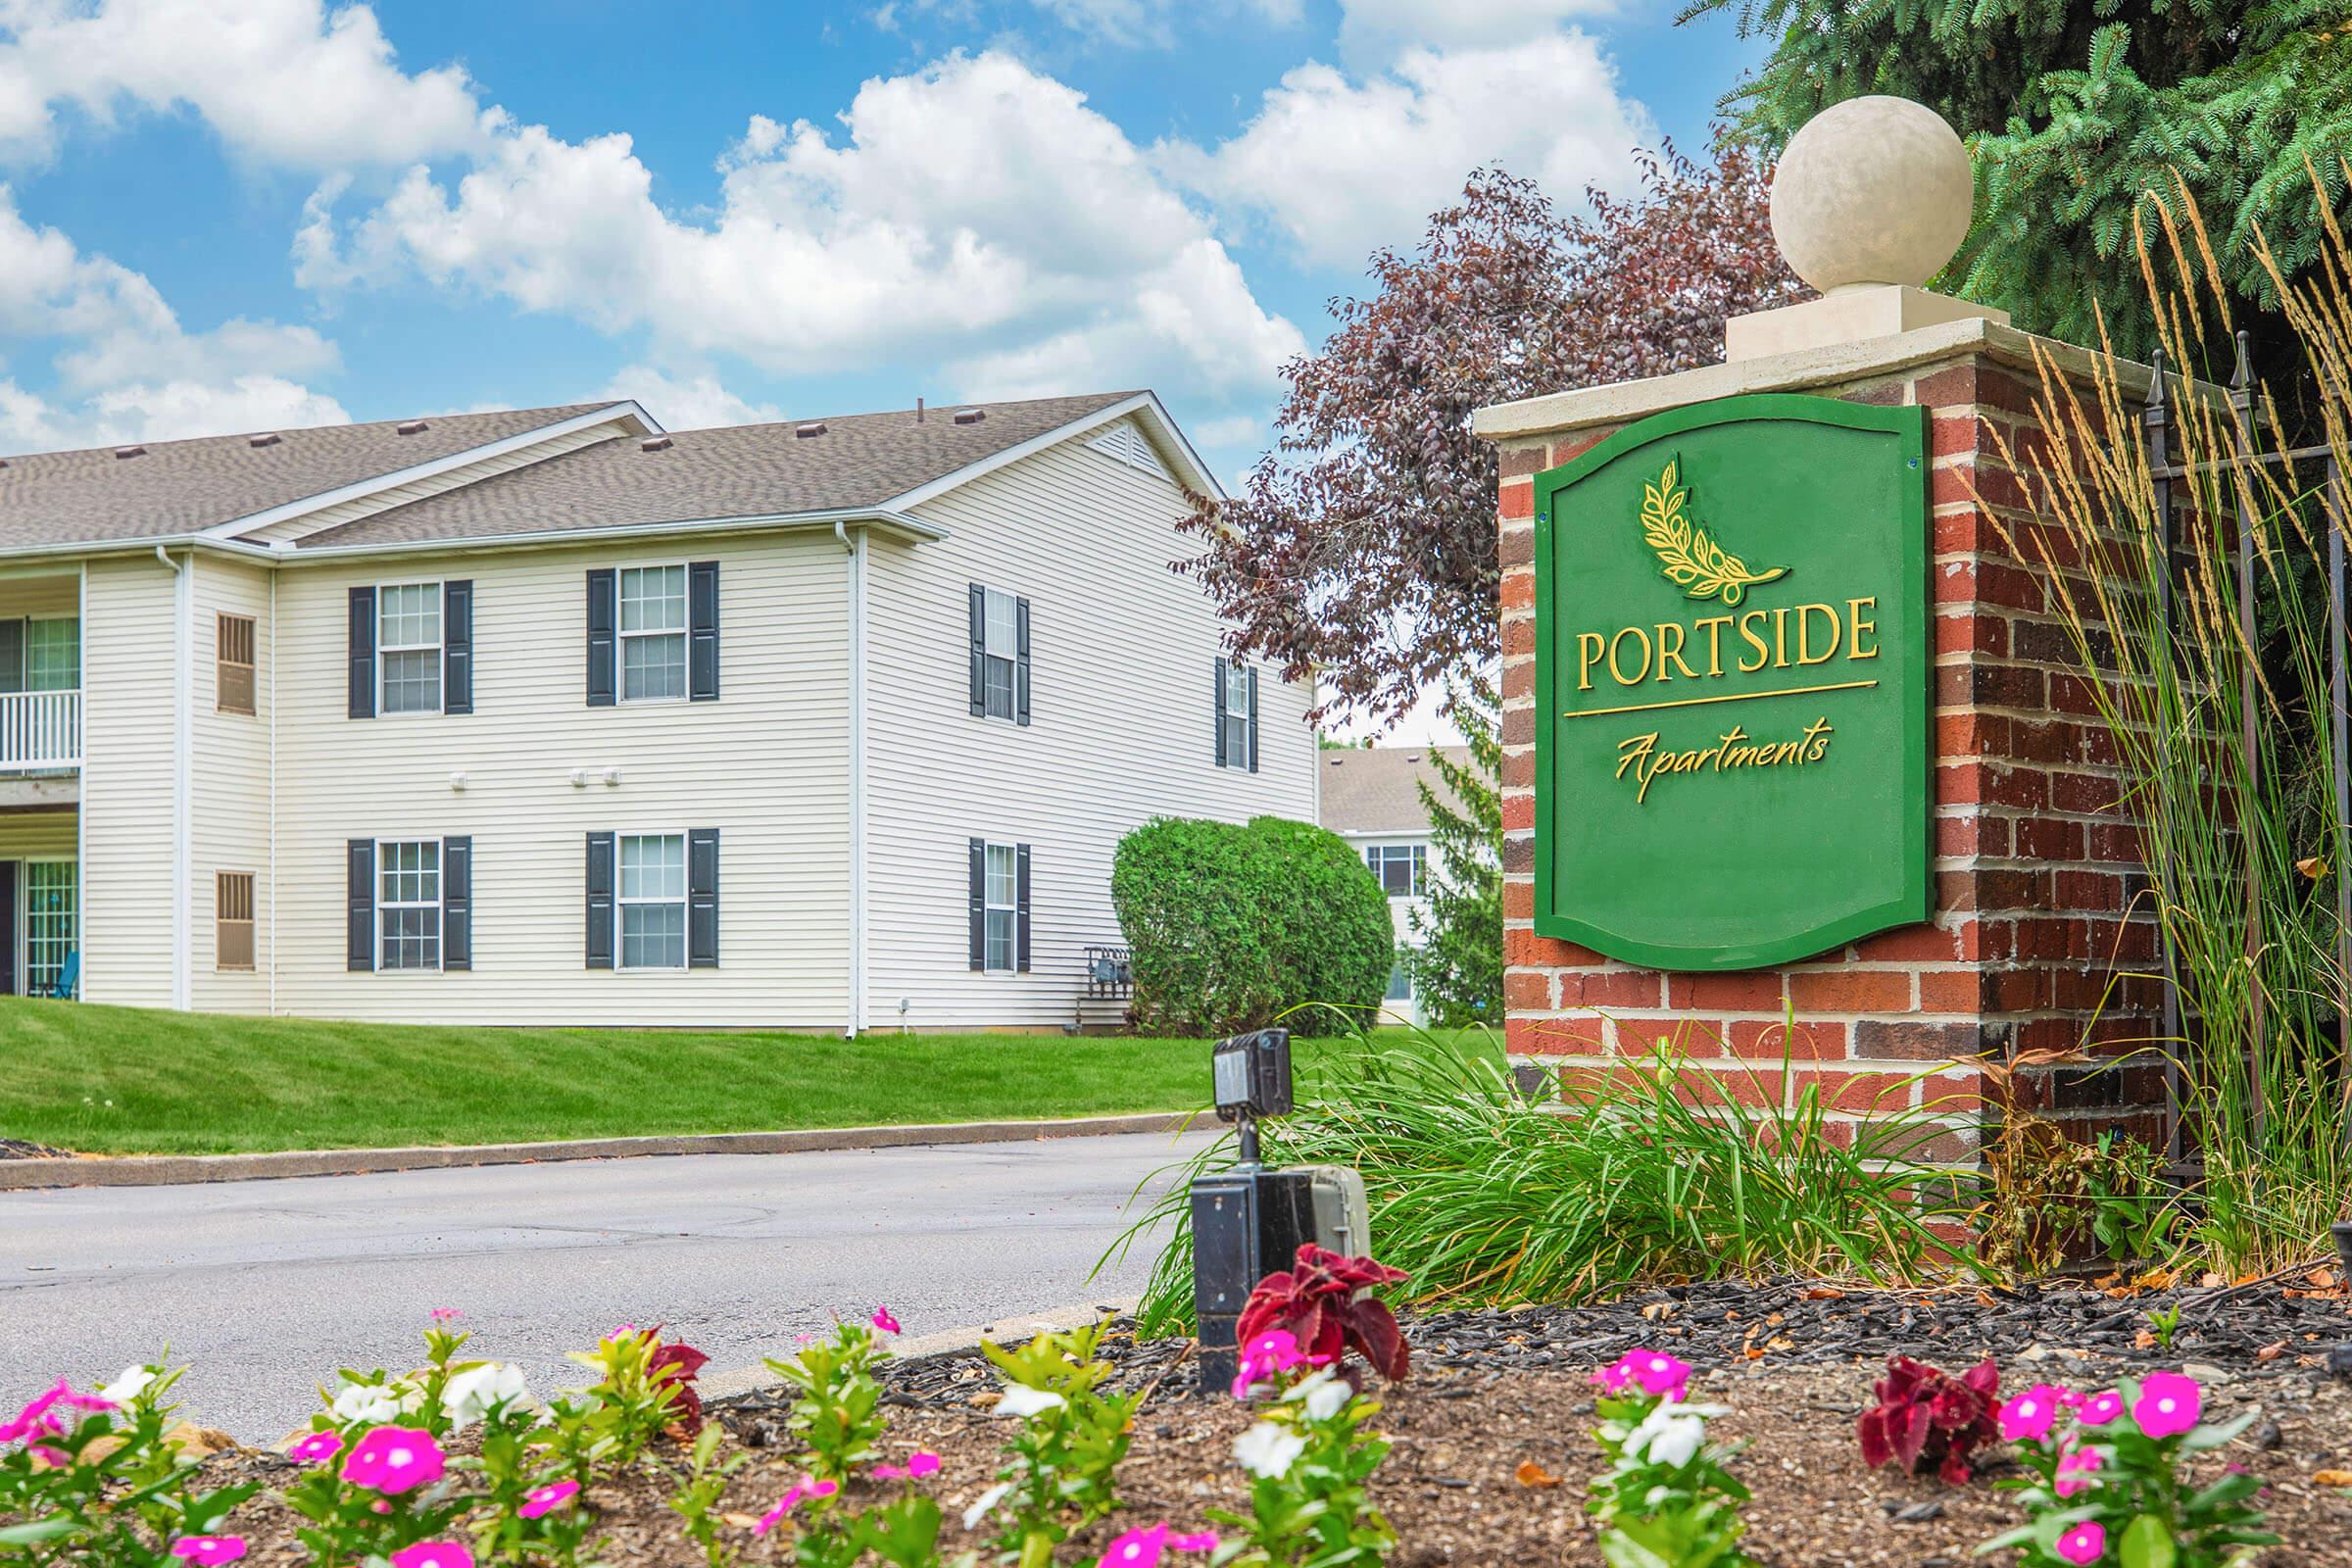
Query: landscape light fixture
1249	1220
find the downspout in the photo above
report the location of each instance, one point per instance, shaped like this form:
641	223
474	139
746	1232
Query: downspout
273	792
854	548
181	742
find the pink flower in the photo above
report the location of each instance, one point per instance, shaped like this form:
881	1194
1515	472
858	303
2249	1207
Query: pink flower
2074	1466
624	1331
914	1469
433	1554
1143	1548
446	1314
2083	1544
206	1550
2100	1408
802	1488
2028	1417
884	1321
1655	1371
548	1498
37	1420
393	1460
2168	1405
1275	1350
317	1447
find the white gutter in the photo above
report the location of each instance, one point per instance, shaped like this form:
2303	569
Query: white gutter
183	587
854	546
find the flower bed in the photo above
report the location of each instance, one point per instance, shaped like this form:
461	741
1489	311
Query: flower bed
1482	1455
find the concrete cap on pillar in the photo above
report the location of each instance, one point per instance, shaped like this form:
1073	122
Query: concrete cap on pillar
1872	190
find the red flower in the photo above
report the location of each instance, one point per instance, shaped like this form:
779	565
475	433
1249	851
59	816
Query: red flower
1315	1299
1930	1419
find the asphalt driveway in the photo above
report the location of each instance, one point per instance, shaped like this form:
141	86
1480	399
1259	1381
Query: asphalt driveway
267	1286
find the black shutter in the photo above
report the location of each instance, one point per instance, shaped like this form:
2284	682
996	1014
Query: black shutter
362	652
12	654
1021	924
359	884
600	899
979	650
1216	707
702	898
456	647
979	891
1253	718
604	611
457	904
702	637
1020	690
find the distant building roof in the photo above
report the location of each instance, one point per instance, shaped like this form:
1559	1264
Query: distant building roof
1377	790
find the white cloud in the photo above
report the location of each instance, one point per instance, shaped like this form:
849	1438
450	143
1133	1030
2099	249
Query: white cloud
974	212
1339	166
1370	27
126	369
1150	22
695	402
284	81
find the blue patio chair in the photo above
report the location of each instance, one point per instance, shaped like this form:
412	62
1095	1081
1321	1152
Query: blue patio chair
68	977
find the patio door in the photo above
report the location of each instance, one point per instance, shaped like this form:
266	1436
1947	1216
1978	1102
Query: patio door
11	982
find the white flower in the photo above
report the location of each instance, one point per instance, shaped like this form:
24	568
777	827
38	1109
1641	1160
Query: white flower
470	1395
1023	1401
1667	1437
1324	1395
1267	1450
371	1403
129	1386
987	1499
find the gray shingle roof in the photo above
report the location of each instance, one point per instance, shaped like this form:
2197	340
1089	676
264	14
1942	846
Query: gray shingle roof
1376	791
179	487
745	470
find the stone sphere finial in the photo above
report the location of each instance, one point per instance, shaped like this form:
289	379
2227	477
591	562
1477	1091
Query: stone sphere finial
1871	191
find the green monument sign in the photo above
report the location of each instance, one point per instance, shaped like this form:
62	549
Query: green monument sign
1732	665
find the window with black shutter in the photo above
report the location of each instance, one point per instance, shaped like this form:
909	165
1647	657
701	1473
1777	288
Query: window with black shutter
1021	939
600	901
362	652
456	647
978	888
602	618
1000	655
1237	715
360	902
702	898
702	656
457	903
999	906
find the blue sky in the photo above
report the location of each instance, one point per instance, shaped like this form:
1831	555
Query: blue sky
248	213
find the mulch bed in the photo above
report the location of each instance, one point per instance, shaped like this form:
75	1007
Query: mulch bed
1492	1390
19	1148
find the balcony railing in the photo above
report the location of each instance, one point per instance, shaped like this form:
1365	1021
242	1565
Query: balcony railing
40	730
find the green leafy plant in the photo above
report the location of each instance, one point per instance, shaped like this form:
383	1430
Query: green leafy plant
1484	1195
1666	1499
1232	927
638	1395
1310	1456
1457	969
2165	1322
1061	1460
696	1499
838	1414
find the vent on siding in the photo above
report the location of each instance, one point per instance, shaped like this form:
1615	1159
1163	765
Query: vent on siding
1126	443
971	415
410	428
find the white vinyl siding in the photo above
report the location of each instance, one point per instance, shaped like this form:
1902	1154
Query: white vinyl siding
408	648
130	636
653	633
652	899
229	786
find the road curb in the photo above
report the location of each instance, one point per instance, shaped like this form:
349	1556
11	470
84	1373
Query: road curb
172	1170
1012	1329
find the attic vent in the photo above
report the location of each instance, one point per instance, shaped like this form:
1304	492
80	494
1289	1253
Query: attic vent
814	428
1126	443
410	428
971	415
655	443
130	451
267	438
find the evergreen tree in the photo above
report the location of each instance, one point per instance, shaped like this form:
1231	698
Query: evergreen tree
1459	969
2076	113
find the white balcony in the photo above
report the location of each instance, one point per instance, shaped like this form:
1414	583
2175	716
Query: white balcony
39	731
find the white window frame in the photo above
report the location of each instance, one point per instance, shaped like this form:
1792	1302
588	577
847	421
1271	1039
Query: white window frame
1377	857
683	632
31	622
1011	908
24	955
438	647
1235	720
622	904
438	904
990	659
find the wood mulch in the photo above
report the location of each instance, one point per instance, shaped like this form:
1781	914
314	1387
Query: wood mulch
1493	1392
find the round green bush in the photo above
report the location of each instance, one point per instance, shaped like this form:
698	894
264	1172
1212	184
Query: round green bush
1234	926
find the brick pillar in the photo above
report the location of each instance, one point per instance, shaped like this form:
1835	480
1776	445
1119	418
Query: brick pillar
2036	874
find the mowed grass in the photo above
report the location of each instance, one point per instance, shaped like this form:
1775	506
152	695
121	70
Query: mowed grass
130	1081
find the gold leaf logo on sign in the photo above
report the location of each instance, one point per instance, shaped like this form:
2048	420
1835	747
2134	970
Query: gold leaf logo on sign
1687	554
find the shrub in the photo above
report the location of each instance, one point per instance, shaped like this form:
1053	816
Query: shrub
1930	1419
1232	927
1323	1302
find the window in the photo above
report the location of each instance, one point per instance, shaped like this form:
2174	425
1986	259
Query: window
409	647
407	904
49	923
52	654
1401	983
653	901
1002	895
233	687
232	909
1000	652
653	633
1233	717
1401	867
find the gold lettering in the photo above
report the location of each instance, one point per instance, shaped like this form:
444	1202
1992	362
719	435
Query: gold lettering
1588	646
1780	639
1671	650
1749	635
1638	675
1853	612
1804	640
1713	625
1640	760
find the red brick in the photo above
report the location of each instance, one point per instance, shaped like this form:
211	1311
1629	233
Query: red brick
2042	838
1518	770
1519	812
2088	890
1746	991
1944	388
1571	447
1698	1038
1522	947
1950	434
1947	991
1959	835
1527	991
1916	1040
1730	1086
1518	590
1859	1092
1515	547
1773	1040
1520	462
2086	794
1972	633
1519	680
1519	499
1610	988
1518	899
1922	944
1849	990
1554	1037
1518	637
